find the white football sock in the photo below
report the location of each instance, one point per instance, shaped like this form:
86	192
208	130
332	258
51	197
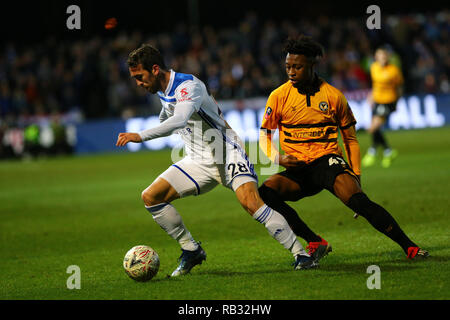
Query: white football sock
279	229
170	221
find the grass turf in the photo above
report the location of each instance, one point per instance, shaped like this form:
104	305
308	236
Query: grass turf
87	211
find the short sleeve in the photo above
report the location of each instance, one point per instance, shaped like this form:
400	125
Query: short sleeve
346	119
372	70
399	77
191	93
271	113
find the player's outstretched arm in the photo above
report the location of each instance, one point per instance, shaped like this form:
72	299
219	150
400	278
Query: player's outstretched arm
125	137
183	112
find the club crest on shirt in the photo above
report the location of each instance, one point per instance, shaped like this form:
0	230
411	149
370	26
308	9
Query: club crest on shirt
323	106
268	113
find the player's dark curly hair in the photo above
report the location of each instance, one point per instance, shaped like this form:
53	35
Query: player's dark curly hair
303	45
147	56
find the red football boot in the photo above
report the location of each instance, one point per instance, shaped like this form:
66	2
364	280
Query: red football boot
318	250
417	253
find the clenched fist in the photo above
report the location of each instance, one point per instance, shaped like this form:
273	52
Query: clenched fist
289	161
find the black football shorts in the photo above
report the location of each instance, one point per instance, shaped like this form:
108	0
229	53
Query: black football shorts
383	109
318	175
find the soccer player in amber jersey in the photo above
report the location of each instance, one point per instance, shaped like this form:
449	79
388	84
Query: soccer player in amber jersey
308	112
387	81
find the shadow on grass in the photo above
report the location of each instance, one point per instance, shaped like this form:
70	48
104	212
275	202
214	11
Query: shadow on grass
356	263
388	261
394	260
355	268
229	273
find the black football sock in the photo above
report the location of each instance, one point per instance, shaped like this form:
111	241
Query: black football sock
273	200
380	219
378	139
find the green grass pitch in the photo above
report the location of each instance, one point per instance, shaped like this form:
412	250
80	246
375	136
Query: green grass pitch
87	211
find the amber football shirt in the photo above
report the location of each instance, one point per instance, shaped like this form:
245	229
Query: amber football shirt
308	124
385	81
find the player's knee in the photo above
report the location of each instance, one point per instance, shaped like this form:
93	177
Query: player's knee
150	197
375	127
146	197
249	198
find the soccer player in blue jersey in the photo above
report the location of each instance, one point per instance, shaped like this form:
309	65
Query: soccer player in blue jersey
189	110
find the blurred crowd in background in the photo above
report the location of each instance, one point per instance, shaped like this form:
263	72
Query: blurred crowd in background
67	81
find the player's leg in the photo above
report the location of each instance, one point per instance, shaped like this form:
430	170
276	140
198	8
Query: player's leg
247	194
389	154
380	140
278	189
376	124
179	180
377	139
348	190
381	114
157	199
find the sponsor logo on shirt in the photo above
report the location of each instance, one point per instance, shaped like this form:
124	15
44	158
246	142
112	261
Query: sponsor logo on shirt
184	94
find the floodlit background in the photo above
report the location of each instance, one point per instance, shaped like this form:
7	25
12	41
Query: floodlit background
59	87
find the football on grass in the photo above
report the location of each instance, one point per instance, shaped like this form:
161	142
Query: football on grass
141	263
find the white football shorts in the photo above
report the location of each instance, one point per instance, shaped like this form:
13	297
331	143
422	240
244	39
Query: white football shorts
195	176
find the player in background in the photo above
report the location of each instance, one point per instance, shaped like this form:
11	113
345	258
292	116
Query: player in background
190	111
308	112
387	88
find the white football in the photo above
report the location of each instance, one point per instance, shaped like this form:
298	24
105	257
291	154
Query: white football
141	263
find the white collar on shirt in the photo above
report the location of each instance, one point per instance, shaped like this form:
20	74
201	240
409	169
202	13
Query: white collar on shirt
169	86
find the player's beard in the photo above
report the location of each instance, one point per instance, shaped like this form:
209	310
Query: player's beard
309	86
152	89
155	86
